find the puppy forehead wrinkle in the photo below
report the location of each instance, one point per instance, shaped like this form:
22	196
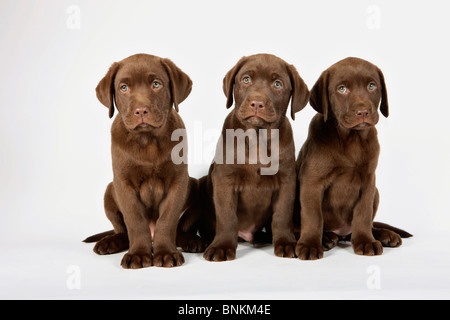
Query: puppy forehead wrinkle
279	75
136	73
349	76
126	79
246	71
266	71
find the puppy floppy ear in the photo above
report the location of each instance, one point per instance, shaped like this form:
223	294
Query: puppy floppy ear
180	83
105	89
319	99
384	106
228	81
300	92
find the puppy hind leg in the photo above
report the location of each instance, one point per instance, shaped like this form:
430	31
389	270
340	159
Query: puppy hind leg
329	240
388	236
116	240
188	225
187	238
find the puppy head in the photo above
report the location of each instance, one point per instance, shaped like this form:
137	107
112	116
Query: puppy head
262	86
351	91
144	88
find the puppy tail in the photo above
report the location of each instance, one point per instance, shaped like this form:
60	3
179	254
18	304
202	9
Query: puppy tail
98	237
400	232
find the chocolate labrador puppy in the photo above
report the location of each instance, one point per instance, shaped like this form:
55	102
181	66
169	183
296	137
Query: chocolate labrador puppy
149	192
336	165
248	190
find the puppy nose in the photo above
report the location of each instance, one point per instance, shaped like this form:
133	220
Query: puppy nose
362	113
257	105
141	112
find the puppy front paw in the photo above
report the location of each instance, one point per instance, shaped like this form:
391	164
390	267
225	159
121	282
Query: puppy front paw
368	247
285	249
137	260
220	253
309	251
168	259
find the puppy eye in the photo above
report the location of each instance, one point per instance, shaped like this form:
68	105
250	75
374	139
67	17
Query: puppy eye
278	84
156	84
246	79
342	89
124	88
372	86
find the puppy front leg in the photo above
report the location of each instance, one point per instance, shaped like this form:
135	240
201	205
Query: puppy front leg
363	240
309	246
282	221
170	209
224	245
140	253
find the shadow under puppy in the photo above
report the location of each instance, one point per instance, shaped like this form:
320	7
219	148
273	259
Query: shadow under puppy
336	165
149	193
244	192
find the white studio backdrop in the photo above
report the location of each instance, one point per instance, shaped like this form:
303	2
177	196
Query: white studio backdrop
54	134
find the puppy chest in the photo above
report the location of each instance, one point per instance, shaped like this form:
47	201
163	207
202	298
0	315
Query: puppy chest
344	191
254	200
254	184
256	195
151	191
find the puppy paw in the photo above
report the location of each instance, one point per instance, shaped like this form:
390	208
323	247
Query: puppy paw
329	240
190	243
168	259
112	244
137	260
309	251
220	253
368	248
387	238
285	249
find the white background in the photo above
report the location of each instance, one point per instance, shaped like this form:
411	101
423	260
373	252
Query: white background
55	140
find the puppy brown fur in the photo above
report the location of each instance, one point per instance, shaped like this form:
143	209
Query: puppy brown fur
336	166
242	201
149	192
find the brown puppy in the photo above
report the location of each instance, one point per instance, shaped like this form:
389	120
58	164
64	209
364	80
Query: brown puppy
149	192
336	166
248	192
